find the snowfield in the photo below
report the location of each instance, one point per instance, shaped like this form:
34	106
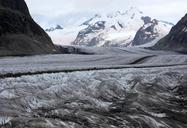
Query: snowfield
139	88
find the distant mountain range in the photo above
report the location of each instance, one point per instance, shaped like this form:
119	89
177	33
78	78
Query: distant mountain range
58	27
121	29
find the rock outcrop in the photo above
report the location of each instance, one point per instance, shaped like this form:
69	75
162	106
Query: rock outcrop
19	34
176	40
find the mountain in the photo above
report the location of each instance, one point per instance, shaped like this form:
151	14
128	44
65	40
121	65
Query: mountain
176	40
58	27
151	31
19	34
129	28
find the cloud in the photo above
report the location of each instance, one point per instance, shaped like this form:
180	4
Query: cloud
47	12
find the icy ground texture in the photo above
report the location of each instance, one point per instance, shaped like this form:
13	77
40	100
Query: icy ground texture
125	98
100	58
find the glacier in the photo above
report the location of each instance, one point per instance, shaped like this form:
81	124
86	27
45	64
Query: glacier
110	88
146	97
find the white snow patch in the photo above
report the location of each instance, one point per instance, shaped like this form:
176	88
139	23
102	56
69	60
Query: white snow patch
4	120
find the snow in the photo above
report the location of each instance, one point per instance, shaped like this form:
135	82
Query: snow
162	28
120	35
126	25
152	43
4	120
126	28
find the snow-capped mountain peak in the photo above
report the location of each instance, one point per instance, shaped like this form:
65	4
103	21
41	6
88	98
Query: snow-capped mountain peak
120	29
132	12
114	29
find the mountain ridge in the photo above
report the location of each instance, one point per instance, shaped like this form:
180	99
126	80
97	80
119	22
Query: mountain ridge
121	29
19	33
176	40
116	29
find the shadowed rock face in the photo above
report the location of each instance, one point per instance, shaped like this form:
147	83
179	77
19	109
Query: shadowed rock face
19	34
18	5
177	38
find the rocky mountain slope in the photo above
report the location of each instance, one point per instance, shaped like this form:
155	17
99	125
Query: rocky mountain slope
177	38
19	34
151	31
128	28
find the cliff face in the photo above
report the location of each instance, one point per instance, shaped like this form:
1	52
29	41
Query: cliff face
176	40
19	34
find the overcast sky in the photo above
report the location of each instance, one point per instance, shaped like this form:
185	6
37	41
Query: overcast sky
66	12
